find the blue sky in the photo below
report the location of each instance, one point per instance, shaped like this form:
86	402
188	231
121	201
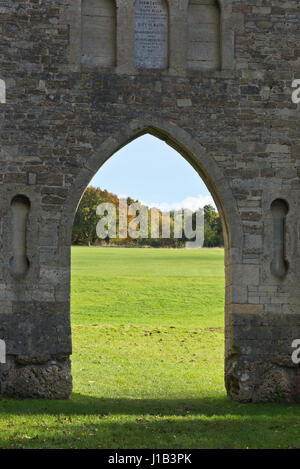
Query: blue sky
149	170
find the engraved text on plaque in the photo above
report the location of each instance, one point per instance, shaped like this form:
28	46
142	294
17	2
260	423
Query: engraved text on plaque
151	34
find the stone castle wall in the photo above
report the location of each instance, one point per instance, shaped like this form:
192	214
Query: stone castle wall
70	104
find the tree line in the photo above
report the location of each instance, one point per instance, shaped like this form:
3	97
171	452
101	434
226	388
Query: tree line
86	219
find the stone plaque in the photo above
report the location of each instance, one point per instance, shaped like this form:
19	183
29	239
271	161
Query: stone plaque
151	34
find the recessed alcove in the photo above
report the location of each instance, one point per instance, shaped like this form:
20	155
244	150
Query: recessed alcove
98	33
279	264
19	263
2	92
204	35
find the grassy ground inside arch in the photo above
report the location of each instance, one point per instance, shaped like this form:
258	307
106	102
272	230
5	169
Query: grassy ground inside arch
148	339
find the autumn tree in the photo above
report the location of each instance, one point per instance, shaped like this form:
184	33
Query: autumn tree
86	218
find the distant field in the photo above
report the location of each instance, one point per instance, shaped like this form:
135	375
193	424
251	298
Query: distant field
155	287
148	341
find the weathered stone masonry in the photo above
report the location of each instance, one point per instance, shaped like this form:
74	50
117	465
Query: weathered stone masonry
225	107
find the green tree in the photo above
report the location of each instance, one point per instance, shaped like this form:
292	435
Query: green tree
213	234
86	219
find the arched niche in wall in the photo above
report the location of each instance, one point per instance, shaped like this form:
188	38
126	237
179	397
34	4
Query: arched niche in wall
279	264
19	263
204	35
98	33
151	34
2	92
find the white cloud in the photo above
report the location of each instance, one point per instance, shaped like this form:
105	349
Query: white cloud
192	203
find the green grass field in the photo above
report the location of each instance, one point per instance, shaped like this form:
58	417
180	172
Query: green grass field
148	339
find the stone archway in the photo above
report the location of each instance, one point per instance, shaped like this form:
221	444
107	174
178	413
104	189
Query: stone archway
41	366
196	155
48	373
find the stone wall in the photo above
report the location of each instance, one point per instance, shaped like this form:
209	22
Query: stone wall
64	116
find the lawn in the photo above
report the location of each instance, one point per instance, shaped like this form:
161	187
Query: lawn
148	340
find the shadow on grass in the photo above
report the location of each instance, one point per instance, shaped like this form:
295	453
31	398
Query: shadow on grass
80	404
167	434
93	422
87	422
